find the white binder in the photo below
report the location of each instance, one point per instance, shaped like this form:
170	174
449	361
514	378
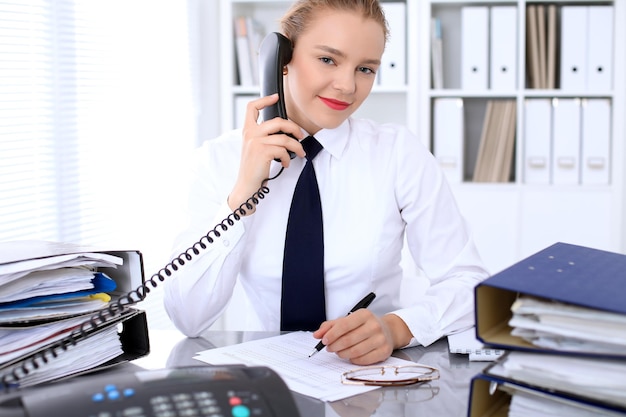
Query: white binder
537	140
448	137
566	141
474	47
392	71
574	48
503	50
600	48
596	137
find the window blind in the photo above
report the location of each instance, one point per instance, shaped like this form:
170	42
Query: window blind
28	184
95	101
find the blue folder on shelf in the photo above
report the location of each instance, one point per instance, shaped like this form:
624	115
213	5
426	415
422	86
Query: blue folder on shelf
564	273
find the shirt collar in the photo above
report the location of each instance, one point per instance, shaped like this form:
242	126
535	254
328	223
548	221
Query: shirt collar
335	140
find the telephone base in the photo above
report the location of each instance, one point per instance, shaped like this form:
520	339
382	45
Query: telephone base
234	390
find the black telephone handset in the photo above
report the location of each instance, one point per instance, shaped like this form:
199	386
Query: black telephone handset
274	53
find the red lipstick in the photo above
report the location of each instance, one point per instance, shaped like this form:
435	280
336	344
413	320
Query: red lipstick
335	104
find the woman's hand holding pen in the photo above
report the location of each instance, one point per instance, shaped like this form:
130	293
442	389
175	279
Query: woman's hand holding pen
364	338
261	144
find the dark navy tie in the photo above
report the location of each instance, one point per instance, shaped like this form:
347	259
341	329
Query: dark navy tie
303	304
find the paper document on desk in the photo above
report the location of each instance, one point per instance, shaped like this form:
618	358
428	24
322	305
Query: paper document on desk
318	376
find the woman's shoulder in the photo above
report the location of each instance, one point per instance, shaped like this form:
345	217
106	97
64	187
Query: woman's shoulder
226	144
230	139
387	134
220	152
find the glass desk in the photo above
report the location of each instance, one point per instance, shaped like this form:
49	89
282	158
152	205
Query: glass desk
447	396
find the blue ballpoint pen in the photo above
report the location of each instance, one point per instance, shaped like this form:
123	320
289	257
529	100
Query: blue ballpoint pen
367	300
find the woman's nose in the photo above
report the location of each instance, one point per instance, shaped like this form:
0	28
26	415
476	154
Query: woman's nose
345	82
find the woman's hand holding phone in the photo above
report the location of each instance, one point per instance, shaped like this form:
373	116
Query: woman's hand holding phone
262	143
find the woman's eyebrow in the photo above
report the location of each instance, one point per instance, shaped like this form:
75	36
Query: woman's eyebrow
340	54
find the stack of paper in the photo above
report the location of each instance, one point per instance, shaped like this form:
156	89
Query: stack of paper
596	378
48	297
36	290
564	327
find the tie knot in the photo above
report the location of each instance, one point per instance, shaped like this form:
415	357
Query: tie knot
312	147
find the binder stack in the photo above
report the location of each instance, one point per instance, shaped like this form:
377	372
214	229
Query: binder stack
60	313
561	316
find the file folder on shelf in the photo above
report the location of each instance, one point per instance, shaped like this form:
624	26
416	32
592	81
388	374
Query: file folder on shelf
574	34
541	44
491	397
503	48
551	46
533	69
565	273
474	47
448	137
392	71
596	141
436	53
566	141
497	142
242	52
537	140
600	48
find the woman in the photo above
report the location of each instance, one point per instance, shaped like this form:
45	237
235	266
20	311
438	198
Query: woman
377	183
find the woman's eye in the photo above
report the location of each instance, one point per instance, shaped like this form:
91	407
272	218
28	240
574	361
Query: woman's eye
327	60
366	70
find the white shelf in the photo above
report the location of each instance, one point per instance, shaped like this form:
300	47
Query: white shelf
513	220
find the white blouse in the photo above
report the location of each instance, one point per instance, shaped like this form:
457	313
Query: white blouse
378	185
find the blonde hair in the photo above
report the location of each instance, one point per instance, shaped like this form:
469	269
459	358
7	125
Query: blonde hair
302	12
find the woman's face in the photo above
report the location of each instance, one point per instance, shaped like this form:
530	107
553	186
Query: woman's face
333	68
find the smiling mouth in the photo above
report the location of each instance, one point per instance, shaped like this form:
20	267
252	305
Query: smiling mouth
335	104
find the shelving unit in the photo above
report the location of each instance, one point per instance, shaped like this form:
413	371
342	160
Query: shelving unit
514	219
510	220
